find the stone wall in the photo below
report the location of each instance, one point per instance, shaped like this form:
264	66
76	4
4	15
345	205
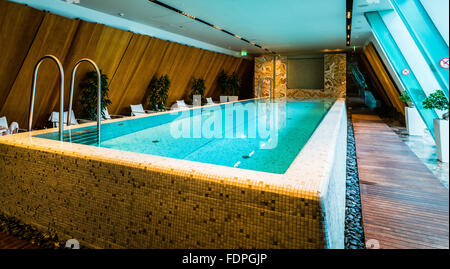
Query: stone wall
334	77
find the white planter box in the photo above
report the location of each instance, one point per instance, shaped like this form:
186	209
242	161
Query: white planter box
414	123
196	100
223	98
441	135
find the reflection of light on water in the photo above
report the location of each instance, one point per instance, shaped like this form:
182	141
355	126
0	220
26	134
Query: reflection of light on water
251	153
237	164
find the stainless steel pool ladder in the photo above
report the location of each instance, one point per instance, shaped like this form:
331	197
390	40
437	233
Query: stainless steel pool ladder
61	94
99	92
261	84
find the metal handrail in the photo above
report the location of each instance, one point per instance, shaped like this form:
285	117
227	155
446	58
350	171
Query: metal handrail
61	94
261	84
99	99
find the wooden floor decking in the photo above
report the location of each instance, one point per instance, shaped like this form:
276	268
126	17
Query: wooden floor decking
403	204
11	242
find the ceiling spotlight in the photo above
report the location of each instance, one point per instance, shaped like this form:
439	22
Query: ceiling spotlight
160	3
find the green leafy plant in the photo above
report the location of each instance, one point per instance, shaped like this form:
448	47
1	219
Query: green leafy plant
198	88
234	83
437	100
229	85
405	97
88	95
158	92
223	81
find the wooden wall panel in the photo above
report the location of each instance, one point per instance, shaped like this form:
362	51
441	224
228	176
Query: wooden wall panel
182	72
376	82
18	26
104	45
246	69
384	78
53	37
203	66
130	61
214	70
131	88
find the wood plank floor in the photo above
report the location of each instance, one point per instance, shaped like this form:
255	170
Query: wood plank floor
10	242
403	204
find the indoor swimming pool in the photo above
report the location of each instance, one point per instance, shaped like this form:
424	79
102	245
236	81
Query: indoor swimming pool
255	167
255	135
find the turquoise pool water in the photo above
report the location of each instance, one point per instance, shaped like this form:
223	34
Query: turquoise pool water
256	135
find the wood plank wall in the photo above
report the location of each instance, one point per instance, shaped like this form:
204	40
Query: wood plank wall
383	81
130	60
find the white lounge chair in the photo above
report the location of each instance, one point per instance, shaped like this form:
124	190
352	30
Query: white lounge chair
105	114
232	98
4	129
182	105
223	99
3	123
54	118
209	101
14	128
137	110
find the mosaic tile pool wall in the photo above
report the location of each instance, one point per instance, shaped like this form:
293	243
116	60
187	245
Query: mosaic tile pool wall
108	205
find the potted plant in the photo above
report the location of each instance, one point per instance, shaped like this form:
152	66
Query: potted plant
406	99
414	123
88	95
234	84
223	85
198	91
438	101
158	93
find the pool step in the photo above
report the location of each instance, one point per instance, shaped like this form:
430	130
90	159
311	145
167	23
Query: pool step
87	137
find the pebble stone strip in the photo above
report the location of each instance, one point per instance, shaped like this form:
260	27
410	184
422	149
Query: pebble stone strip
354	233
